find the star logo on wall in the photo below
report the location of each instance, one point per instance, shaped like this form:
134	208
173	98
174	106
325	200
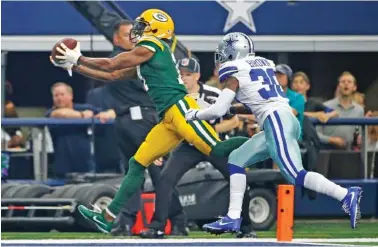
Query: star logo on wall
240	11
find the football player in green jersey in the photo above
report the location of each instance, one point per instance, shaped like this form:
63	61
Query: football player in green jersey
156	68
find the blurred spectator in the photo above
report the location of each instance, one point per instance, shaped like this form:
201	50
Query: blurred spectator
71	142
297	102
372	146
373	134
314	109
11	137
214	79
342	136
359	98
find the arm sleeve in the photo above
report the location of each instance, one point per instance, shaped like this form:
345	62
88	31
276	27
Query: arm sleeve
219	108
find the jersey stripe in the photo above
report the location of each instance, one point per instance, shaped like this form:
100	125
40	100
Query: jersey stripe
149	48
208	136
226	72
204	129
180	105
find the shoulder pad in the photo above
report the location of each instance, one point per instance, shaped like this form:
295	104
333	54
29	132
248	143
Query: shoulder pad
227	69
153	40
272	63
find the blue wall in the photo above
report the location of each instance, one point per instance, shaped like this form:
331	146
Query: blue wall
203	18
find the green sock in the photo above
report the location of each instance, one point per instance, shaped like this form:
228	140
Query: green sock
130	185
224	148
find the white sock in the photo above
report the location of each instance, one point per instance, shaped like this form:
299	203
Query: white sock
238	183
317	182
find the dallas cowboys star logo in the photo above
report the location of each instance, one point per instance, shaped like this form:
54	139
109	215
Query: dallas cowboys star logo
230	43
240	11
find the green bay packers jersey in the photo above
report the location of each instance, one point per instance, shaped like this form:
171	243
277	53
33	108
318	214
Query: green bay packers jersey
160	75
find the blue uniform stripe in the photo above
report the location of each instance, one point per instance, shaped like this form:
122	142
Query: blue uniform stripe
228	69
284	142
224	73
277	146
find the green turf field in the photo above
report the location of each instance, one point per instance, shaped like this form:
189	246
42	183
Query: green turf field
301	230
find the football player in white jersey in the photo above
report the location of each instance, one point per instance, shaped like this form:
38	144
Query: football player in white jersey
251	80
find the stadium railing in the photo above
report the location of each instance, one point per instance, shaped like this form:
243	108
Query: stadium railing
45	122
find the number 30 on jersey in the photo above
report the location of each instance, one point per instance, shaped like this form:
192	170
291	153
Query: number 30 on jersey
274	89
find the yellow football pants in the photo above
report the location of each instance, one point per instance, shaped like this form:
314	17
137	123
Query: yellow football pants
172	130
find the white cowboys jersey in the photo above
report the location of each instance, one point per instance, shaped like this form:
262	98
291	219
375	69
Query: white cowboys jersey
258	87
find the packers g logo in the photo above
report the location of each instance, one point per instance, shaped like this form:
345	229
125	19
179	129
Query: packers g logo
160	17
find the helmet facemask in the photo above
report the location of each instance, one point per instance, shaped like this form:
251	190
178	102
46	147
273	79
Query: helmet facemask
219	57
139	27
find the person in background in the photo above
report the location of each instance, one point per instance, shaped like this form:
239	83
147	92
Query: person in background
11	137
314	109
342	137
359	98
71	142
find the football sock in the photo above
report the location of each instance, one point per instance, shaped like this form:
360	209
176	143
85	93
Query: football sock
317	182
238	183
130	185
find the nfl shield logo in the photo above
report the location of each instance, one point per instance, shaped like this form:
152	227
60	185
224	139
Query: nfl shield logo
185	62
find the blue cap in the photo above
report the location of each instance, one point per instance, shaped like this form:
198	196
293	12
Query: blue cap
284	69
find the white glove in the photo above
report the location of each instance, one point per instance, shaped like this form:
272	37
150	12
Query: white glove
191	114
67	66
68	55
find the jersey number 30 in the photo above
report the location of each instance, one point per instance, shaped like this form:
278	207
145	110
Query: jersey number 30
269	79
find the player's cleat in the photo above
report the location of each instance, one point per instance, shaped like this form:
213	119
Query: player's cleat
241	234
223	225
351	205
97	218
246	231
152	233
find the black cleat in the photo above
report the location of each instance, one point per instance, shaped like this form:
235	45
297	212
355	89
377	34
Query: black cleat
122	231
179	231
152	233
251	234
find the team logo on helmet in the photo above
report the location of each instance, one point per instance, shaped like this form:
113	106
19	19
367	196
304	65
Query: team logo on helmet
185	62
160	16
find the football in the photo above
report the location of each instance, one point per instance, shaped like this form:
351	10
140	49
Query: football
70	43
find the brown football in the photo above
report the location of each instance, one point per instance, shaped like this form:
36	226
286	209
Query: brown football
70	43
